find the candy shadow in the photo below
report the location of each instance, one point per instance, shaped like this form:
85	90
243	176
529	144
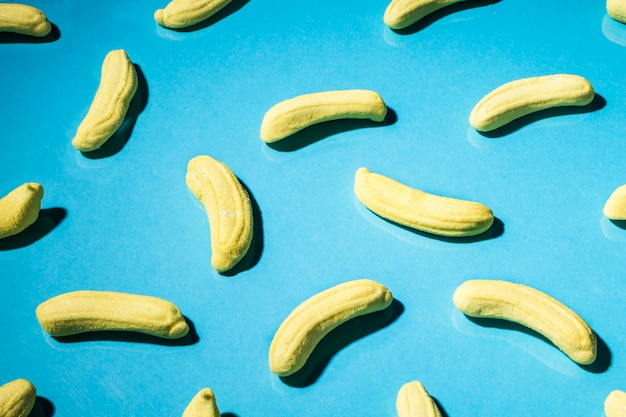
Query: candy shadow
9	37
48	219
319	131
597	103
600	365
232	7
43	407
189	339
442	411
137	104
437	15
339	338
619	223
253	255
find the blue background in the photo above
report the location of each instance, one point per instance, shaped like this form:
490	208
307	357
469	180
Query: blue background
123	219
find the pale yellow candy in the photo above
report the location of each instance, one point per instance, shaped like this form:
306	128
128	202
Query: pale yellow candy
401	14
118	84
615	404
414	401
17	398
20	208
203	404
531	308
419	210
309	322
89	311
23	19
616	9
521	97
292	115
228	207
184	13
615	206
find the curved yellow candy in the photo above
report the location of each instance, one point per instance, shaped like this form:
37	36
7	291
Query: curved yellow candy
17	398
295	114
615	404
308	323
518	98
414	401
419	210
23	19
615	206
89	311
401	14
531	308
203	404
184	13
617	10
118	83
228	207
20	208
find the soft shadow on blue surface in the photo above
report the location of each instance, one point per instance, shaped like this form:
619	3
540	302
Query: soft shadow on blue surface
437	15
440	407
319	131
48	219
138	103
600	365
9	37
133	337
222	14
596	104
342	336
43	408
253	256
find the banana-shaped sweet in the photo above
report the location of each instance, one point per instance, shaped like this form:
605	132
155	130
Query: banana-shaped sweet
419	210
616	9
615	404
401	14
309	322
531	308
414	401
118	84
521	97
20	208
89	311
23	19
203	404
184	13
17	398
292	115
615	206
228	207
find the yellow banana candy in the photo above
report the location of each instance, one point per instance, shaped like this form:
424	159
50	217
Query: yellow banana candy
228	207
20	208
414	401
615	206
419	210
184	13
23	19
615	404
118	84
518	98
292	115
202	405
309	322
401	14
89	311
531	308
17	398
616	9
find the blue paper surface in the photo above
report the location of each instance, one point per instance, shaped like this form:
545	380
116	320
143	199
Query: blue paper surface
123	219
